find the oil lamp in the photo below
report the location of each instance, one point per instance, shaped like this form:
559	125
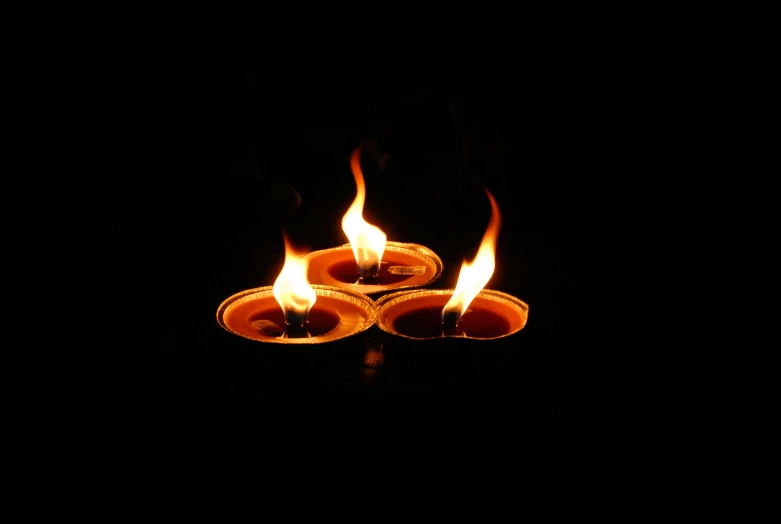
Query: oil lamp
294	312
370	263
468	311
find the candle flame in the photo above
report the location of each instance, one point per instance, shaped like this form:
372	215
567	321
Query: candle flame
475	275
291	289
367	240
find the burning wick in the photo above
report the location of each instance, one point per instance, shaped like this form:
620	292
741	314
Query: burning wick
451	324
367	241
473	276
293	293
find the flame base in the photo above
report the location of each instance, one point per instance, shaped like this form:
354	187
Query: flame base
451	324
295	319
369	270
450	319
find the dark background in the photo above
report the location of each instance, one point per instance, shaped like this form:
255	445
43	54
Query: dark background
182	135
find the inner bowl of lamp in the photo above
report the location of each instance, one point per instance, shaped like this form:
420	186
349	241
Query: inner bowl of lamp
403	266
336	314
417	314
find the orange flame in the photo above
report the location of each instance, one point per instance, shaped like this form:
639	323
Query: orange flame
367	240
291	289
476	274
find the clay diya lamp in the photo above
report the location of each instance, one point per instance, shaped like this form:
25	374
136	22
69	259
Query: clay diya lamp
468	311
294	312
369	263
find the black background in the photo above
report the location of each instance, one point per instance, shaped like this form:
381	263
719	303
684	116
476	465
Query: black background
182	134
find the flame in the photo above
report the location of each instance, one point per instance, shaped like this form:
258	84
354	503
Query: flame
476	274
367	241
291	289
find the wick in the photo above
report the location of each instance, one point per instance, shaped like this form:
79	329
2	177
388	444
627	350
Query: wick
295	332
295	325
369	271
451	326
